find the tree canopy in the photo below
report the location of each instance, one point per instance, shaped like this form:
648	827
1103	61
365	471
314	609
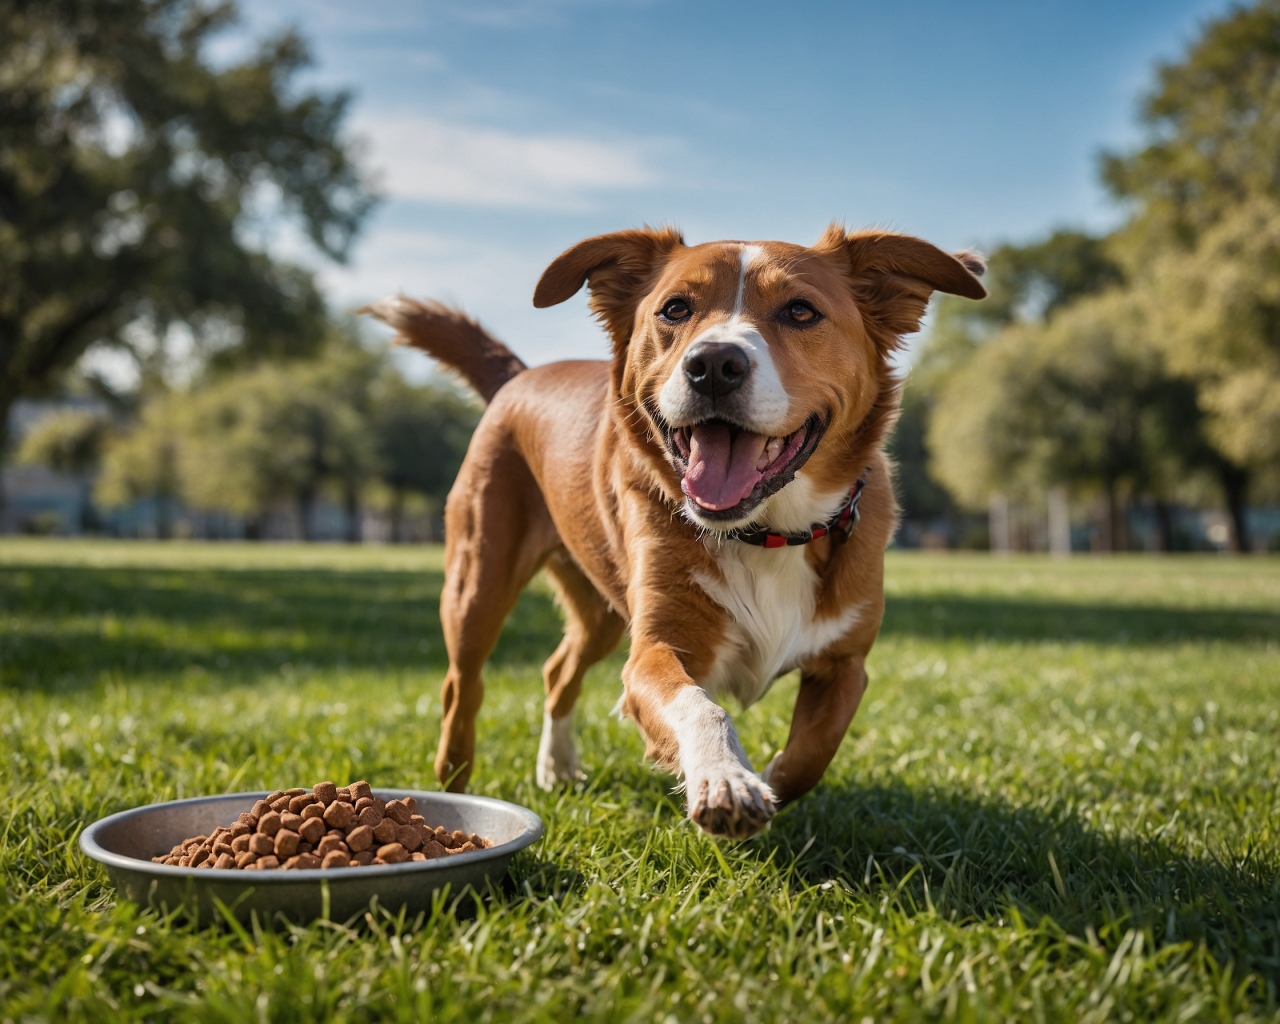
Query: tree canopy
132	170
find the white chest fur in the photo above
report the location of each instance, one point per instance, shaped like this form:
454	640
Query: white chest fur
770	595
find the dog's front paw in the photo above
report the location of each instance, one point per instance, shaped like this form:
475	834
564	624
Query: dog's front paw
729	800
557	753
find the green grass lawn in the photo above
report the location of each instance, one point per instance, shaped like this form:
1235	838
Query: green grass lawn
1058	802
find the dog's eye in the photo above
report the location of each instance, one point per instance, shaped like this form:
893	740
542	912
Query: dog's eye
800	313
676	310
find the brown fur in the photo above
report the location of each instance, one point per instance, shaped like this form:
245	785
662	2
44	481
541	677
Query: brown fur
568	470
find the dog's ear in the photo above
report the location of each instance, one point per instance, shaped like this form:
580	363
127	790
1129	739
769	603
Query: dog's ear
618	268
894	275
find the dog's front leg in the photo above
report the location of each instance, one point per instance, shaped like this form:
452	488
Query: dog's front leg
688	733
828	699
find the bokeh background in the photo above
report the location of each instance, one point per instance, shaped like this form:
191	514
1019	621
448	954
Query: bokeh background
193	201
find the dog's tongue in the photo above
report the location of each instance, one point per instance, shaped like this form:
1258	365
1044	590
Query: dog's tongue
722	466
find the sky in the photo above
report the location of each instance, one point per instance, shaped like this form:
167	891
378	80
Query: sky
500	132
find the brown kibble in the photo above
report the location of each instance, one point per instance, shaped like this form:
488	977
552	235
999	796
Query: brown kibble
261	844
369	815
225	861
171	859
392	853
385	831
330	843
240	829
476	841
298	802
360	838
198	855
220	848
290	820
311	829
466	847
417	856
287	843
411	803
315	810
273	797
335	859
268	863
360	790
362	803
418	820
259	809
459	836
296	791
243	860
306	862
339	814
326	792
408	837
206	865
305	847
281	805
363	858
290	864
194	841
398	812
249	821
240	843
345	794
432	850
269	824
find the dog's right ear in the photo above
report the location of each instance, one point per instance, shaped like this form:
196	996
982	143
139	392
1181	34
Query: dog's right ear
618	268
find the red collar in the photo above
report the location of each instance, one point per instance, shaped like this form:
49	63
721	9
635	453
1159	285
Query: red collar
840	526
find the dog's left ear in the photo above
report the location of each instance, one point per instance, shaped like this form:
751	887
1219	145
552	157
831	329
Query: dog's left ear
894	275
619	269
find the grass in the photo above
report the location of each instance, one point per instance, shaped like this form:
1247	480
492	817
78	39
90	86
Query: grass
1059	801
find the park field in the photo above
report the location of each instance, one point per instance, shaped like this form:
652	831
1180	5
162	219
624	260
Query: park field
1060	800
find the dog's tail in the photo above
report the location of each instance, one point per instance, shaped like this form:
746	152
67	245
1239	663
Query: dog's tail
452	337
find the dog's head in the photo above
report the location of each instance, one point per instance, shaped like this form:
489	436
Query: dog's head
737	363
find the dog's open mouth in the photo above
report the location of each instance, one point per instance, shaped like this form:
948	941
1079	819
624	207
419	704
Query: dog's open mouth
728	470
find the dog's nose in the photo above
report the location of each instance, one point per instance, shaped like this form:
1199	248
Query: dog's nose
716	368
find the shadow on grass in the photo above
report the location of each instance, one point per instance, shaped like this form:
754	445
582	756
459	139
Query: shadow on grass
955	617
976	861
68	626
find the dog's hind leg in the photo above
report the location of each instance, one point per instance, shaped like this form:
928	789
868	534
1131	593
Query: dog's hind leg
592	630
497	533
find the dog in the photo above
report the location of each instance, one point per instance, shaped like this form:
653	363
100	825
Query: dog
717	487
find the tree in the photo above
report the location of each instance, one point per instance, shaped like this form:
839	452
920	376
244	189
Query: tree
1025	283
1214	132
1084	400
1216	312
422	434
131	170
144	463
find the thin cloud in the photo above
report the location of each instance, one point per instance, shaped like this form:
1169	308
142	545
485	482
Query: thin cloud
431	160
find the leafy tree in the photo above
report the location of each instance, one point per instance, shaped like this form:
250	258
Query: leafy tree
1214	125
132	168
1025	283
68	441
1083	400
1216	313
422	434
144	463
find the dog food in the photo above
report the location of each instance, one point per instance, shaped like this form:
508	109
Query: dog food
324	827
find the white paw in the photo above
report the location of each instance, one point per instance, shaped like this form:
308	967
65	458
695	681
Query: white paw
557	753
728	799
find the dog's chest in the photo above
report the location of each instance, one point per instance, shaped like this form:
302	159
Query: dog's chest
770	595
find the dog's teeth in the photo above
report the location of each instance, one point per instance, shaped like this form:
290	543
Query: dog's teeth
771	449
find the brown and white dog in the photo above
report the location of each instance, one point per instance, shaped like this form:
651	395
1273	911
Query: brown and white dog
670	489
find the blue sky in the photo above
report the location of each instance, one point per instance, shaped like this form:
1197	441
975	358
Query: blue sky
502	132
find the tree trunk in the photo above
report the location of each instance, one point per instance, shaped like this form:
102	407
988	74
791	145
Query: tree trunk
1235	488
352	496
1164	526
999	528
1119	523
306	500
397	516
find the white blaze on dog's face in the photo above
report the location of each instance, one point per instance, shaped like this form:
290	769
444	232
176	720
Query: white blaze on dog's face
746	356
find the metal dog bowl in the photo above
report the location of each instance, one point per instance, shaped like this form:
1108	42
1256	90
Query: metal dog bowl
124	844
